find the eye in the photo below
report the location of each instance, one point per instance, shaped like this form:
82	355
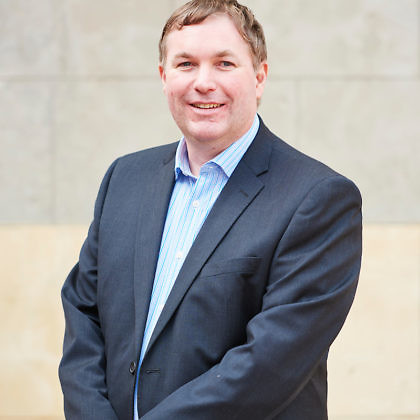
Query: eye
226	64
185	64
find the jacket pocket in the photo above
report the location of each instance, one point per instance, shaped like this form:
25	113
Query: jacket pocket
233	265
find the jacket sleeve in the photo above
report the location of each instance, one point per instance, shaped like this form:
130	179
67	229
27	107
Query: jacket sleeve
82	367
310	288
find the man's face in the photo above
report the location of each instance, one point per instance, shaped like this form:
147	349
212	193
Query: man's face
210	82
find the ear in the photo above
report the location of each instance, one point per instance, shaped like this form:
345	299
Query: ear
261	77
162	75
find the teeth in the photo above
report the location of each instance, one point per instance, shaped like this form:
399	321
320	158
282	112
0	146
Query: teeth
207	106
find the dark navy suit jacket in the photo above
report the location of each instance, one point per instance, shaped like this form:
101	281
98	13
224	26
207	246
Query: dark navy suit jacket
247	327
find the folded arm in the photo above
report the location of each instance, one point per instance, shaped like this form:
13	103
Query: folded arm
82	368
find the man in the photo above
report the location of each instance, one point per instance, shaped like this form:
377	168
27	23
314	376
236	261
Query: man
217	271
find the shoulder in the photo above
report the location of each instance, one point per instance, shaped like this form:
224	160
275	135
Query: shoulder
137	166
297	174
294	164
147	158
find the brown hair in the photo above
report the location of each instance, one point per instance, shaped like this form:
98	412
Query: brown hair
196	11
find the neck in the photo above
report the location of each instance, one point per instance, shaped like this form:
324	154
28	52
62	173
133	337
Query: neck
199	154
201	151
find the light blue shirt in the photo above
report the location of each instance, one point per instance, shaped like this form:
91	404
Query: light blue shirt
191	201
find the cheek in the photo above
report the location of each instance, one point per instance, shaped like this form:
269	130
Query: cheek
171	97
242	88
177	83
175	94
175	104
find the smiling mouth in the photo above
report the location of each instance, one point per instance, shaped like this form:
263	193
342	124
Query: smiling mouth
207	106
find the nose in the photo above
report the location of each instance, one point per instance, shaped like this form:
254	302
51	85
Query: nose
205	80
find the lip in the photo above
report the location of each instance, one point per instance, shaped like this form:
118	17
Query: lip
206	106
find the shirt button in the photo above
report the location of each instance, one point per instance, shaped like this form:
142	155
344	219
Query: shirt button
133	368
178	255
196	204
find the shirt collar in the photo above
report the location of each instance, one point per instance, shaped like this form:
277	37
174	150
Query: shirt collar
226	160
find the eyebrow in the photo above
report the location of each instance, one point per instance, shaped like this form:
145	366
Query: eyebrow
182	55
224	53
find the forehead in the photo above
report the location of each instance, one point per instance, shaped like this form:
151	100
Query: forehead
217	32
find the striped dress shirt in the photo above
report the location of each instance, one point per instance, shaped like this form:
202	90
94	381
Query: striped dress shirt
191	201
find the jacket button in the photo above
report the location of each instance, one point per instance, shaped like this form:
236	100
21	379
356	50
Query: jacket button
133	368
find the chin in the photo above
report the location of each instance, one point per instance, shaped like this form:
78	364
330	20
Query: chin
206	136
206	132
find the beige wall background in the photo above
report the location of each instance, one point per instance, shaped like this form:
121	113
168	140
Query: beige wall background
79	86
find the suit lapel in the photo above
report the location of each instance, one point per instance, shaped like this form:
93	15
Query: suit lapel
241	189
155	199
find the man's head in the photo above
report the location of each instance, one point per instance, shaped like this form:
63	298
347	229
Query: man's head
213	71
196	11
